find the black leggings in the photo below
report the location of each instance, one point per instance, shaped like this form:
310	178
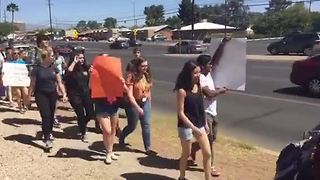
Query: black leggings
83	107
46	102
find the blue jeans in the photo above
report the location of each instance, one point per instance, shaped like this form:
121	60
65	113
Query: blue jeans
133	117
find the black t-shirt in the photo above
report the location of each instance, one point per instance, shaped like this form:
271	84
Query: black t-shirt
46	78
77	81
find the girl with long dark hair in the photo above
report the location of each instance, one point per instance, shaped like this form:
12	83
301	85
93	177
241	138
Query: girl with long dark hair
191	116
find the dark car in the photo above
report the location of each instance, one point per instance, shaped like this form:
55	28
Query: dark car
134	43
306	73
64	50
119	45
187	47
294	43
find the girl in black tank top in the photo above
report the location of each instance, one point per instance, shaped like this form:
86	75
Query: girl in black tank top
191	116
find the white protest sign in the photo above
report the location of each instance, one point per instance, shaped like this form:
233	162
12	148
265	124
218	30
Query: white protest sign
15	75
231	70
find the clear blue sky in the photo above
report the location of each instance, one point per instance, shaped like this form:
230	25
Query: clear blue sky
68	12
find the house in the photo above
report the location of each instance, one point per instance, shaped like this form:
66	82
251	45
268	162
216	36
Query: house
202	30
148	32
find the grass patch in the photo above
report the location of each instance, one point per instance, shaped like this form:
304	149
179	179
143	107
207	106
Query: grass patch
235	143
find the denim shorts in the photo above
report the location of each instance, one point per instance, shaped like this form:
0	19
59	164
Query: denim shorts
186	133
103	107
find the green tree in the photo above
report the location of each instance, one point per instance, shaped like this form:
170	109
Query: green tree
278	5
110	22
237	14
81	25
174	21
154	15
12	8
93	25
315	21
213	13
185	12
5	28
296	18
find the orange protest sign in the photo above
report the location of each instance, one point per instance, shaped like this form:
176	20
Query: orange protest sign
106	77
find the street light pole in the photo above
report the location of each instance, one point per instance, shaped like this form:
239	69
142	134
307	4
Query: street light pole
192	21
50	19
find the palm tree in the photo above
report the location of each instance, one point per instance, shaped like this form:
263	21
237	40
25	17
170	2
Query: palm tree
12	8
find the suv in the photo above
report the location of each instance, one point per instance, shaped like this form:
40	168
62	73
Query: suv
294	43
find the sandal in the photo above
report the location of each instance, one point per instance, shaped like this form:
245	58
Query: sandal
215	172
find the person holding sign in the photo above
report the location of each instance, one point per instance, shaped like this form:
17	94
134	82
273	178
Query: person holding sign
20	92
139	83
191	116
44	79
77	85
107	86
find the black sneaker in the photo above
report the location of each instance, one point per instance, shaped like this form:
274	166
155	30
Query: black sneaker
56	123
151	153
84	138
48	145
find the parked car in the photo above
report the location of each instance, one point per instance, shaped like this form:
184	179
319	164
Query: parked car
306	73
134	43
187	47
67	49
119	45
158	37
294	43
64	50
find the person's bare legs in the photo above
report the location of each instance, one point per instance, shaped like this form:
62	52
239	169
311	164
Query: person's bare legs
186	150
206	154
108	126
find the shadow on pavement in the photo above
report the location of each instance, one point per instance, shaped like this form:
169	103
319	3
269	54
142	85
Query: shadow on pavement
296	91
141	176
24	139
163	163
17	122
67	119
77	153
99	147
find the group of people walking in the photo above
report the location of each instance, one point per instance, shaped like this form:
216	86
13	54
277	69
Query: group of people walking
194	88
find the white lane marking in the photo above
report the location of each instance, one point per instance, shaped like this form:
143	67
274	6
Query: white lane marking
257	96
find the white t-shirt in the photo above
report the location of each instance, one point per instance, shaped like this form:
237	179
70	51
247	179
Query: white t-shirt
210	104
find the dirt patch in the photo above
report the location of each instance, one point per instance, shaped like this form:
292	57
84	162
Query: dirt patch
22	156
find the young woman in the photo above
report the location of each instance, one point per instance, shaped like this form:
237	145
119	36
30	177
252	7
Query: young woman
107	115
77	85
139	84
44	79
191	116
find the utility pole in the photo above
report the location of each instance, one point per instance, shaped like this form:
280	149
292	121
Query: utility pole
5	15
50	18
134	13
192	21
310	3
225	18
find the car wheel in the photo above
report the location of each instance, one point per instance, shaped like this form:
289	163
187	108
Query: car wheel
274	51
307	51
314	87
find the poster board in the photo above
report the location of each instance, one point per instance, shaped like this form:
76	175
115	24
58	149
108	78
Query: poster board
15	75
231	70
105	80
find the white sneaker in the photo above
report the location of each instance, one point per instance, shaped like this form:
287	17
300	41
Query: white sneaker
114	156
108	159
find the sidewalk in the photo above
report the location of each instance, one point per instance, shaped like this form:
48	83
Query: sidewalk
22	156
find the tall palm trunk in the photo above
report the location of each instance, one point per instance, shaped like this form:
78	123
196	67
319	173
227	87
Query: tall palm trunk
12	26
